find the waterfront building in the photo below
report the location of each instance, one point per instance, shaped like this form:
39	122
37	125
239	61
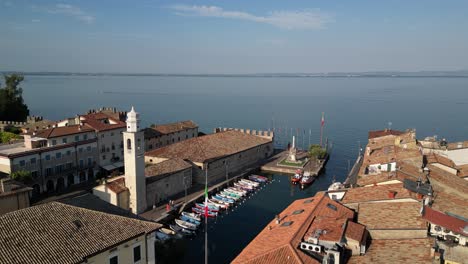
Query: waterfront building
63	233
143	186
220	154
158	136
13	196
108	125
312	230
446	227
56	157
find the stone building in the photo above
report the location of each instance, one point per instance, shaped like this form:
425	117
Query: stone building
158	136
219	154
57	157
13	196
64	233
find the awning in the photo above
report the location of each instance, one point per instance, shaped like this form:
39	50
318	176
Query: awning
113	166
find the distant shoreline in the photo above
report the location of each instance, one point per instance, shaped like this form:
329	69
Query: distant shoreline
450	74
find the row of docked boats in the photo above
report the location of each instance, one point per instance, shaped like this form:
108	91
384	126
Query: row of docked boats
188	222
302	178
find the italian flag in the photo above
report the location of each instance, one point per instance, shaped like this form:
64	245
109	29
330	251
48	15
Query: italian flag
323	119
206	201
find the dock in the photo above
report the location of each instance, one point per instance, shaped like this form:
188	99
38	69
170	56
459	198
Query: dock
161	215
314	167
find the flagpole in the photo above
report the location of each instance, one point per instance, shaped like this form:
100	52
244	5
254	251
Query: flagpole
206	215
321	129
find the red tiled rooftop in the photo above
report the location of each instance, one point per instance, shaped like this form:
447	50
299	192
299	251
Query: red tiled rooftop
382	133
175	127
384	251
102	122
279	244
117	186
451	223
60	131
376	193
212	146
391	215
355	231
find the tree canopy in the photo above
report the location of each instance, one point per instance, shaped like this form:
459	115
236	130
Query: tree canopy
316	151
12	106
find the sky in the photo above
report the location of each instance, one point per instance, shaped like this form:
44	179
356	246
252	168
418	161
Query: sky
233	36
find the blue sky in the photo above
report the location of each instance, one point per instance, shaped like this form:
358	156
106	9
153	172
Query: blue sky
232	36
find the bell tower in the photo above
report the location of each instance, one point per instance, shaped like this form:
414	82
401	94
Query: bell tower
134	157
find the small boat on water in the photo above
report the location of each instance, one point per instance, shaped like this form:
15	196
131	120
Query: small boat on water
258	178
249	182
224	199
244	186
307	179
297	177
167	231
227	196
192	215
212	208
202	212
190	220
218	203
336	186
231	194
185	224
238	190
162	236
181	230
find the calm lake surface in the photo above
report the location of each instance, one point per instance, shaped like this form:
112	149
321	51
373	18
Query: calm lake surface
352	106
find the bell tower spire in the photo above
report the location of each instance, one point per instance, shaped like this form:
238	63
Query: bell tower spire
134	157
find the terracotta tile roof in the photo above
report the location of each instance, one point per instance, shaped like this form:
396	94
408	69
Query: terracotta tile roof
463	171
175	127
59	233
447	182
280	243
102	122
397	251
376	193
117	185
382	133
212	146
451	223
166	167
61	131
391	215
436	158
406	169
355	231
447	202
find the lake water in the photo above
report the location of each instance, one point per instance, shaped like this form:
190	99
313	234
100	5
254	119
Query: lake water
352	106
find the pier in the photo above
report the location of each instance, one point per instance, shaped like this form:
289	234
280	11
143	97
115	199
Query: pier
314	167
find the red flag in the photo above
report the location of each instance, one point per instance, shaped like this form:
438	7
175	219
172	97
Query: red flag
323	118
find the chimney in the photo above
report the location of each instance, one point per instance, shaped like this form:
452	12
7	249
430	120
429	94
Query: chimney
277	217
391	194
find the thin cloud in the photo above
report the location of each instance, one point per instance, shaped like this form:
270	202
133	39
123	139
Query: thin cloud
302	19
73	11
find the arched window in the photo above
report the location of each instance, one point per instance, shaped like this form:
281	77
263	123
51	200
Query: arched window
129	144
138	143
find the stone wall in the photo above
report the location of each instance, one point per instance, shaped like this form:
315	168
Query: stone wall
260	133
166	187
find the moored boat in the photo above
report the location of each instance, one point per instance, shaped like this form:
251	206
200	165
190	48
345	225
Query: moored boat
202	212
336	186
227	196
244	186
258	178
296	178
224	199
238	190
219	203
161	236
307	179
212	208
231	194
185	224
192	215
181	230
249	182
190	220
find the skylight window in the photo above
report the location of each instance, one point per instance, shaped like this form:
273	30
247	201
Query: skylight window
331	206
287	223
298	212
308	201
